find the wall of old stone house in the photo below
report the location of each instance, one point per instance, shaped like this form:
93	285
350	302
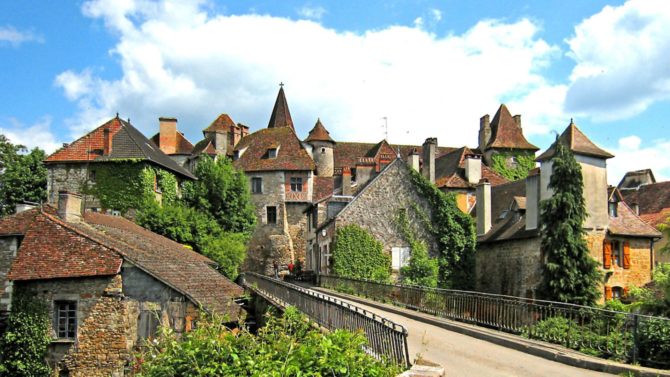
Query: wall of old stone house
72	177
659	255
8	247
510	267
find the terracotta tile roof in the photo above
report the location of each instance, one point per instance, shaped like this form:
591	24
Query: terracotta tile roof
206	146
506	133
17	223
323	188
347	153
657	218
221	124
281	116
183	145
319	133
626	223
291	155
577	142
127	143
450	171
651	198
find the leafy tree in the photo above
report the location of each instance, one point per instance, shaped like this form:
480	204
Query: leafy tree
23	175
570	274
654	299
223	192
24	345
523	163
358	254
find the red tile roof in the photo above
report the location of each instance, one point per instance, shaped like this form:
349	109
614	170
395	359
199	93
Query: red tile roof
319	133
578	143
281	116
651	198
348	153
626	223
506	133
291	155
221	124
450	171
183	145
323	188
657	218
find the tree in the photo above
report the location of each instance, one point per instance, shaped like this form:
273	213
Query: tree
223	192
23	175
570	274
358	254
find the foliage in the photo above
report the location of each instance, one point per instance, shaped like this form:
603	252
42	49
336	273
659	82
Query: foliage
358	254
524	162
167	183
24	345
223	192
570	274
228	250
654	344
23	176
286	346
122	184
654	299
422	270
455	234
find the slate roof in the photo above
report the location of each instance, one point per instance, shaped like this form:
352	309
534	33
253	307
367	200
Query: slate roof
319	133
450	170
127	143
222	124
634	179
281	116
578	143
506	133
183	146
348	153
97	246
291	155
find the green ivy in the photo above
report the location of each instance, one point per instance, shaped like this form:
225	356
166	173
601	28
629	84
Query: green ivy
122	185
167	183
524	163
358	254
422	270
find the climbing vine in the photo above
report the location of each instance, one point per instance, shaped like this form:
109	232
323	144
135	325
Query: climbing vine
358	254
524	162
167	183
422	270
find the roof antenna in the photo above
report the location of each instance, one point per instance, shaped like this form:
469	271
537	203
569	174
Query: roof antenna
117	115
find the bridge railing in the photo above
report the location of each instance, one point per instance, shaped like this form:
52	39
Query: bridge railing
626	337
386	339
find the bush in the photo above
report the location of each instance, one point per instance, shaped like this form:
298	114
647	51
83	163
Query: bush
422	270
357	254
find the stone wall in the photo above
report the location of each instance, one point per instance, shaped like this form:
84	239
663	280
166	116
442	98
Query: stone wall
8	247
72	177
510	268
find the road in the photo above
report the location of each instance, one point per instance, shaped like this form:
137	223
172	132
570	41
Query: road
462	355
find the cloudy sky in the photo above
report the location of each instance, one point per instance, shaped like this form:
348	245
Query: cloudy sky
431	68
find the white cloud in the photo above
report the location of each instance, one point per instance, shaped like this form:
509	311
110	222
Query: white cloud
632	155
37	134
312	13
621	56
630	143
177	60
437	14
10	35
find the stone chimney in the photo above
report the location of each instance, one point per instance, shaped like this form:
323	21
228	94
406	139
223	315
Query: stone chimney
25	206
533	199
346	181
517	120
484	132
69	207
221	142
483	207
107	142
473	168
429	150
413	160
167	134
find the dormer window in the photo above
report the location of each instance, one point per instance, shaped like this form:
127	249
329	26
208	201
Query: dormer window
612	209
236	155
272	153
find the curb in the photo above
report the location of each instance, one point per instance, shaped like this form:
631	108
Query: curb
537	348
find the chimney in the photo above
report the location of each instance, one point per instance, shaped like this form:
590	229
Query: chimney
483	207
517	120
346	181
429	149
533	199
484	132
413	160
25	206
473	168
107	142
167	139
69	207
221	142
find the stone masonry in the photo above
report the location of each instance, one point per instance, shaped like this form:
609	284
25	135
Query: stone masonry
511	268
8	247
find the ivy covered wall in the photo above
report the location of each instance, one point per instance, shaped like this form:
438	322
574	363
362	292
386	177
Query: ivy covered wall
513	165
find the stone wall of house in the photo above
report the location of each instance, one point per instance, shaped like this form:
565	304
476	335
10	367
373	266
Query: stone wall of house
510	268
8	247
72	177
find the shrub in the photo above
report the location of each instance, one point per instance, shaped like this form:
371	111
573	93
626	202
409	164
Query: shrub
422	270
358	254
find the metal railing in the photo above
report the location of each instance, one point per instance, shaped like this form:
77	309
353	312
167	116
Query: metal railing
621	336
386	339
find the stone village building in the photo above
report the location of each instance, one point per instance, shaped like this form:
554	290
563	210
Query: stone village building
509	258
107	282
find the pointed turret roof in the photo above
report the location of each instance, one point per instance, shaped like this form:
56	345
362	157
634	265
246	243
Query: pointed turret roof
281	117
578	143
319	133
221	124
507	133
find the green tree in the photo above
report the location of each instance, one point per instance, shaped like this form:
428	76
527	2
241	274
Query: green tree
223	192
358	254
23	175
570	274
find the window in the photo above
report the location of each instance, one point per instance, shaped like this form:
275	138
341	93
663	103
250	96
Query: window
617	253
353	175
399	257
272	153
66	319
236	155
617	292
147	325
323	150
613	209
271	214
91	175
296	184
257	185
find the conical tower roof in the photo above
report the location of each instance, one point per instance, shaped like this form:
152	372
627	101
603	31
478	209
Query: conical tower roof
281	116
578	143
222	124
319	133
506	133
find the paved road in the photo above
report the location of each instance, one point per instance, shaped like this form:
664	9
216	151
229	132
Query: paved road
462	355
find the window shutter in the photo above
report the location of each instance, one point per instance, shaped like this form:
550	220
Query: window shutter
625	292
607	254
626	255
608	293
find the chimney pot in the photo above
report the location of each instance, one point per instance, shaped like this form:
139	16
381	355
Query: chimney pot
473	168
69	206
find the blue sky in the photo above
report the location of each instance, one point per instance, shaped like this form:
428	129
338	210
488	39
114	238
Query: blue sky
433	68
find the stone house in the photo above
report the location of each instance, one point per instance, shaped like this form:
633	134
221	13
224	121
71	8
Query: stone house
509	257
107	282
651	201
74	167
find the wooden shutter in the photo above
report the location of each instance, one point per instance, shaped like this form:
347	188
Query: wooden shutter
625	292
607	254
626	255
608	293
